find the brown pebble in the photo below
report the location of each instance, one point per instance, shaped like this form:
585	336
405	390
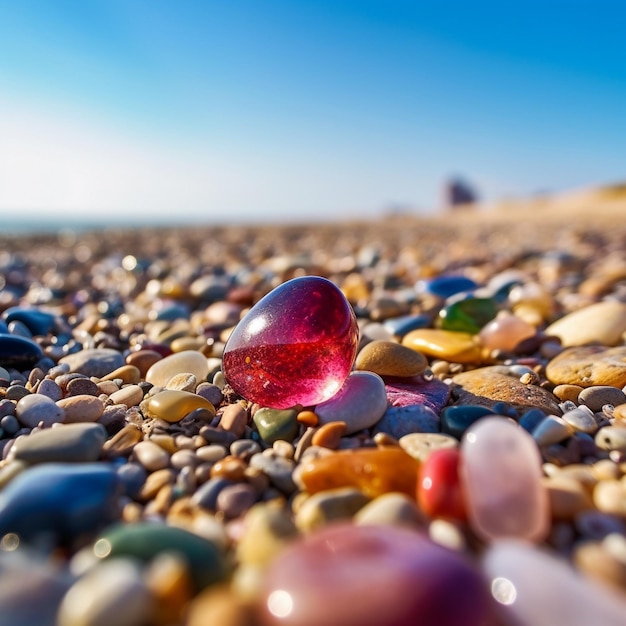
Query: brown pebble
567	497
592	558
81	408
128	374
230	467
81	386
329	435
567	392
155	481
123	442
234	419
143	360
388	358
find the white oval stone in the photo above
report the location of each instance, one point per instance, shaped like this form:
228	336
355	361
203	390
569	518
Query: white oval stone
360	403
501	474
603	322
536	588
187	361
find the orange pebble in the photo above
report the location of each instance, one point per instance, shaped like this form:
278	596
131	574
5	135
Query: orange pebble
374	471
230	467
329	435
308	418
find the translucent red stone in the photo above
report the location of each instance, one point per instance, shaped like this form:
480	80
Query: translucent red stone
439	489
295	346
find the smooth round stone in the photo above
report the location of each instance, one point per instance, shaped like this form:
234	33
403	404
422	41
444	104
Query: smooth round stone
151	455
143	541
501	477
400	326
4	375
457	347
123	441
388	358
278	469
467	315
97	362
330	505
596	397
128	374
488	386
267	530
446	285
360	403
390	509
328	578
568	497
506	332
602	322
374	471
59	500
172	406
130	395
421	445
38	322
48	387
234	500
399	421
67	443
36	408
439	489
188	361
609	496
143	360
276	424
612	438
589	366
81	408
550	430
455	420
182	382
112	592
295	346
18	352
581	419
534	587
568	392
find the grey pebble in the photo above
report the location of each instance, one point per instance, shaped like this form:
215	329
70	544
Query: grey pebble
48	387
234	500
596	397
206	495
245	448
278	469
210	392
96	362
132	477
35	408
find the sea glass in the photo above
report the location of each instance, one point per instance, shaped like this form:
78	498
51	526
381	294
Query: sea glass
295	346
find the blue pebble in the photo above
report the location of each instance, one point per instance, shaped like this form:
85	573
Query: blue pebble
403	420
446	285
38	322
18	352
531	418
59	501
400	326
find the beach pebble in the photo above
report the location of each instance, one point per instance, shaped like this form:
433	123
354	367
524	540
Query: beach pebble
399	421
48	387
329	435
143	541
151	456
393	509
554	594
130	395
589	366
581	419
550	430
317	580
609	496
597	396
59	500
278	469
375	471
388	358
445	285
37	321
235	500
330	505
70	443
567	392
234	419
602	322
276	424
188	362
457	347
433	394
35	408
568	497
97	362
487	386
18	352
455	420
501	477
421	445
360	403
506	332
143	360
81	408
117	594
612	438
171	405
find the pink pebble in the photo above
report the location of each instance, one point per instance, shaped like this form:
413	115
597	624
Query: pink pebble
505	332
501	474
346	575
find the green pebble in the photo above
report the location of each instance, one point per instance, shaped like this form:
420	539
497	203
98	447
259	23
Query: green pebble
145	540
275	424
468	315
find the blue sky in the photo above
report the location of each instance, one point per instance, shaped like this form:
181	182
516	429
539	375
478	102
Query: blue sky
237	110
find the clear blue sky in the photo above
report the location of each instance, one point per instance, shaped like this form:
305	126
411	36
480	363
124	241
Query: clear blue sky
258	109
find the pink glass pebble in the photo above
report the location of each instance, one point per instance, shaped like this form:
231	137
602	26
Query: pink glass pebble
500	471
347	575
295	346
505	332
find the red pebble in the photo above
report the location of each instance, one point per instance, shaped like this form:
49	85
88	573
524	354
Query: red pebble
439	490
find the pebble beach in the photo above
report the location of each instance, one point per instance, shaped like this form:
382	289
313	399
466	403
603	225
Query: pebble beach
467	468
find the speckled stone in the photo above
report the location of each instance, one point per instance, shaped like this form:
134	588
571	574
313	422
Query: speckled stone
487	386
388	358
69	443
96	362
602	322
36	408
588	366
420	445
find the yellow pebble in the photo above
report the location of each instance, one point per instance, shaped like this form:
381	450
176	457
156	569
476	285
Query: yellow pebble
172	405
449	345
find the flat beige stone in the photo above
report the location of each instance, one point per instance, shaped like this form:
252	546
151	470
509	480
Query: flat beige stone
588	366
